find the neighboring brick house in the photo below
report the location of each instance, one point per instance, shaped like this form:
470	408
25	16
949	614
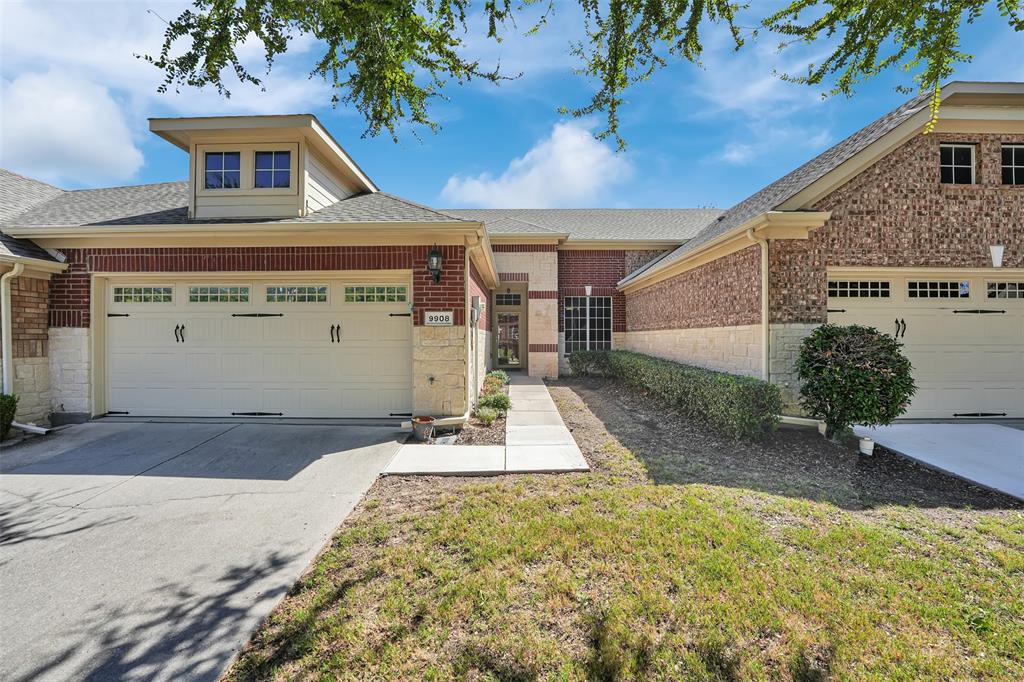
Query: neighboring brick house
278	280
920	235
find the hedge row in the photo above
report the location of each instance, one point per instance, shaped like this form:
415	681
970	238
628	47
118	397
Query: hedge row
736	406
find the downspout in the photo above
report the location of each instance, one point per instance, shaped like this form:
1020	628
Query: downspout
7	350
765	329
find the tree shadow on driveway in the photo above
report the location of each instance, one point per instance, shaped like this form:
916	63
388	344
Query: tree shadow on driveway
796	462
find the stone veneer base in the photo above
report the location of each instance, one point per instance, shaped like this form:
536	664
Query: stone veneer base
726	349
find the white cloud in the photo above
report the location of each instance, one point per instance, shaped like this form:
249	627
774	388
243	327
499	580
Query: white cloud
60	128
766	139
73	52
567	168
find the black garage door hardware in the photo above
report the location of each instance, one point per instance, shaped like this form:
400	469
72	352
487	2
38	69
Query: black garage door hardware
116	412
257	414
979	414
399	314
117	314
257	314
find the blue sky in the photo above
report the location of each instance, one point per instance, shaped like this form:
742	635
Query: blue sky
75	102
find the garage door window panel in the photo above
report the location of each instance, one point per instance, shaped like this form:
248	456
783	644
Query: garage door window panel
858	289
376	293
938	289
1005	290
218	294
297	293
143	294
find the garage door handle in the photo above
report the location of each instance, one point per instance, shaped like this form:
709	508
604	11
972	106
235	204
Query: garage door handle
332	333
183	333
177	327
903	333
338	330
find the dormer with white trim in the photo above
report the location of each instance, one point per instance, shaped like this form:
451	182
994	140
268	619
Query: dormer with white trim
246	167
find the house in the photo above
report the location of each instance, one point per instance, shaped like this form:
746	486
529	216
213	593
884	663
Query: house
279	280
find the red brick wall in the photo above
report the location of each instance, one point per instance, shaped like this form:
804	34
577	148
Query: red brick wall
29	337
602	270
69	291
723	293
478	288
897	214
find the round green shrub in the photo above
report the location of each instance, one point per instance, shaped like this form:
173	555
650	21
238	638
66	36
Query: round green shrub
486	415
853	375
500	375
498	401
8	406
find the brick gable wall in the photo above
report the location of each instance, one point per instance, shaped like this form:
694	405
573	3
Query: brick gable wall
897	214
69	291
723	293
602	270
29	335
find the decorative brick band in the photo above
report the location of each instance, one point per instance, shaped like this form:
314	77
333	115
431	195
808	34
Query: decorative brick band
513	277
69	291
543	294
543	348
524	248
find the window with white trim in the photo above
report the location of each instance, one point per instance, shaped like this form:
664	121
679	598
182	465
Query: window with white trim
956	164
223	170
857	289
587	323
1013	164
1005	289
376	293
218	294
939	289
300	293
273	170
143	294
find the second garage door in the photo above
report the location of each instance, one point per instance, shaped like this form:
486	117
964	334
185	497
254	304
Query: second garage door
276	347
964	335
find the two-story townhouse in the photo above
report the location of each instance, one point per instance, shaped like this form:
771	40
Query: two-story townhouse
279	281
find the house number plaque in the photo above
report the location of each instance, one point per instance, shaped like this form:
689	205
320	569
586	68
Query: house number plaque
439	318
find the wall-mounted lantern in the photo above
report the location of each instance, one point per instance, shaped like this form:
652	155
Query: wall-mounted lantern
997	255
434	263
588	289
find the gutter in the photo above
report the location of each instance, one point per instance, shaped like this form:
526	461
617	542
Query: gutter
765	327
7	345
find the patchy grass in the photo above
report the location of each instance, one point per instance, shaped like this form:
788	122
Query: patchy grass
609	576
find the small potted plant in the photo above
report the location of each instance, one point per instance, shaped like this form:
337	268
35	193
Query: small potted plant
423	428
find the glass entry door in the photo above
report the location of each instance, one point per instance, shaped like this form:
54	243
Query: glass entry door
508	340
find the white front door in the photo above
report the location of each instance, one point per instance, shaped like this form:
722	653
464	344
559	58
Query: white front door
274	347
964	335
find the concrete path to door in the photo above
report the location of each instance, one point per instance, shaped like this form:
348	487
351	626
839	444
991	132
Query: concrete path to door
153	550
536	441
987	454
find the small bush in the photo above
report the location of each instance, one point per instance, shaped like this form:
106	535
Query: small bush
736	406
486	415
853	375
8	406
491	385
498	401
499	374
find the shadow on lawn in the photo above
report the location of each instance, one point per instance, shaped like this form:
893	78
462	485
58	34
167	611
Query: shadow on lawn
796	462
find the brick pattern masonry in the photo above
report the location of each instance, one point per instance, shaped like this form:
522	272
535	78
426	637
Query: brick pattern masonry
69	299
602	270
723	293
897	214
29	336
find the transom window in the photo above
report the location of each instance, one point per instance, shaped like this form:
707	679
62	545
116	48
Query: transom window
957	164
938	289
217	294
855	289
273	169
1005	289
302	293
508	299
143	294
223	170
386	293
588	323
1013	164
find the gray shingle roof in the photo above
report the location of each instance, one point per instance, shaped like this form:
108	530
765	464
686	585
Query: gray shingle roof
17	194
775	194
167	204
626	224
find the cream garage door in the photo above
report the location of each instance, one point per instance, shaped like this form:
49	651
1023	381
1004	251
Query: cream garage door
277	347
963	333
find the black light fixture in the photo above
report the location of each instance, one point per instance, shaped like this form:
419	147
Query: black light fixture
434	263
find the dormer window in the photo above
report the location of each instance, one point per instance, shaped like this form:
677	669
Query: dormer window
223	170
273	169
956	162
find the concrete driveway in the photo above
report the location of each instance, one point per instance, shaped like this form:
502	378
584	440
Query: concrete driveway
152	550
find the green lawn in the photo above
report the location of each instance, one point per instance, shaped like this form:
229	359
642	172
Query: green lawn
608	576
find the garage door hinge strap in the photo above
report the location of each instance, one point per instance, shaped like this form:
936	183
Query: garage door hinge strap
979	414
400	414
257	314
399	314
117	314
117	412
978	312
836	310
257	414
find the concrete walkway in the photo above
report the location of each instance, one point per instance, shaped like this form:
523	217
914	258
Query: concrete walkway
536	441
987	454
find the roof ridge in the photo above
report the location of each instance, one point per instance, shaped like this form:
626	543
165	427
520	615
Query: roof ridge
420	206
525	222
31	179
141	184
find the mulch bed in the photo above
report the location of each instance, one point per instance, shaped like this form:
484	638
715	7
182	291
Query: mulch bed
796	462
475	433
